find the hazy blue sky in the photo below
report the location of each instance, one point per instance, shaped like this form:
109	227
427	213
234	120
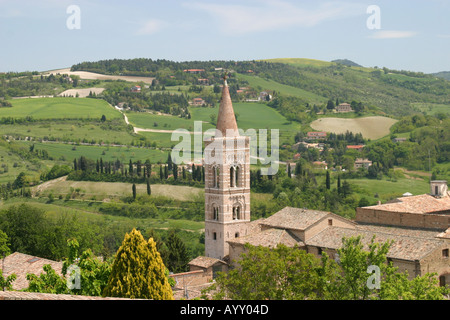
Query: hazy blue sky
413	35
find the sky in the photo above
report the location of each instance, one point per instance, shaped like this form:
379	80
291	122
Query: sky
41	35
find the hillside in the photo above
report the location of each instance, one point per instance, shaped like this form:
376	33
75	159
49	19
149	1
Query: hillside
392	91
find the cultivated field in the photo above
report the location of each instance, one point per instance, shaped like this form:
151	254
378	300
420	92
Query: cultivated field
108	190
60	108
82	93
97	76
370	127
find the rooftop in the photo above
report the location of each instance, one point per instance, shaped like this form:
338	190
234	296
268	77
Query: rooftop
270	238
294	218
420	204
226	120
205	262
405	246
21	264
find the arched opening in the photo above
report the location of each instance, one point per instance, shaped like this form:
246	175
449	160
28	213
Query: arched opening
215	213
232	177
237	176
236	212
216	176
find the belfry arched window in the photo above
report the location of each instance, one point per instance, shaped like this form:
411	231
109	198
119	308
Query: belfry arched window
234	176
215	213
216	176
236	212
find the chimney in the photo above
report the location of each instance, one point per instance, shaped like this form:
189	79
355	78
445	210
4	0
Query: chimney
439	188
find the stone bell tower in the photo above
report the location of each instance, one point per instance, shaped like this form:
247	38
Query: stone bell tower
227	182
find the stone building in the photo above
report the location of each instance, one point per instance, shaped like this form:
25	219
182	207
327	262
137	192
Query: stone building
418	226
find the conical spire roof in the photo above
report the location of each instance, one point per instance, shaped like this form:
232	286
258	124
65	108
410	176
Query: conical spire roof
226	119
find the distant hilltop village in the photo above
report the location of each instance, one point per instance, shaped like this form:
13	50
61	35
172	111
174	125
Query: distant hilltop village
418	225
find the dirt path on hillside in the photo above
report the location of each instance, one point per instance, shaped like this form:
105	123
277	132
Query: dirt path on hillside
45	185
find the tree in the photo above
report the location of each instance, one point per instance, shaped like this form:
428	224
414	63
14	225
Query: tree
4	245
178	257
149	189
327	180
25	226
274	274
330	105
103	119
133	189
138	271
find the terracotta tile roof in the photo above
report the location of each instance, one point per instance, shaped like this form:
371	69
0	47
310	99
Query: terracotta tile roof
205	262
405	247
18	295
270	238
294	218
21	264
423	203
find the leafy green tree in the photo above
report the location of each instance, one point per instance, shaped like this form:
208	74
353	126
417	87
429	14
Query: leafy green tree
25	226
93	273
138	271
6	283
274	274
47	282
178	257
4	245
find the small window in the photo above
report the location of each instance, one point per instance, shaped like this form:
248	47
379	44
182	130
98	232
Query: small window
445	253
442	281
214	236
236	235
330	222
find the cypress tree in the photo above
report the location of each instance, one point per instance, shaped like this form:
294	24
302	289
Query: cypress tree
327	181
149	189
178	258
133	188
138	271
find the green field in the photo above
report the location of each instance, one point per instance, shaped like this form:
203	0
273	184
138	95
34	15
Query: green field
387	190
59	208
271	85
300	62
69	130
59	108
68	152
432	108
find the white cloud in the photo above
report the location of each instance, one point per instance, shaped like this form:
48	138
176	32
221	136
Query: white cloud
151	27
270	15
393	34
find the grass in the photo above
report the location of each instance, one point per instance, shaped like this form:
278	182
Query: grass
69	130
432	108
387	190
124	154
59	108
264	84
109	190
249	116
300	62
58	208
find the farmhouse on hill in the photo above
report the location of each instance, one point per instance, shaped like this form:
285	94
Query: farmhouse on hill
419	226
344	107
